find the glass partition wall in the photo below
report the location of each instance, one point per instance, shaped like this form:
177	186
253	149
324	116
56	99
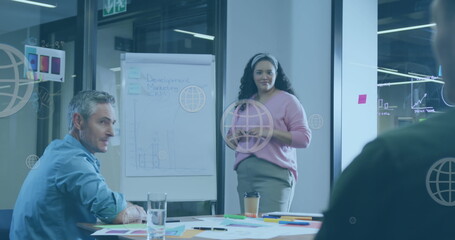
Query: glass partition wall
33	103
409	78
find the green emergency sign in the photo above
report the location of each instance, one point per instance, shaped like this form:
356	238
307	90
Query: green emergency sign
111	7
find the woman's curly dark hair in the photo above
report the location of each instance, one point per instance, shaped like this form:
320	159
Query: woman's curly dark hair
248	87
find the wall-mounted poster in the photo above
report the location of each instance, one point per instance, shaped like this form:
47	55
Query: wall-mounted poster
46	64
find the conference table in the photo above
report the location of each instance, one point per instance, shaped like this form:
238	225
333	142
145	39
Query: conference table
90	228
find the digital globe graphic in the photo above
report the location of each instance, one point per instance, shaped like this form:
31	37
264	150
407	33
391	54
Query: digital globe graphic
247	126
32	161
440	182
316	121
41	102
15	87
192	98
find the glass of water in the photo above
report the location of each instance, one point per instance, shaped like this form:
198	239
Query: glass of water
156	215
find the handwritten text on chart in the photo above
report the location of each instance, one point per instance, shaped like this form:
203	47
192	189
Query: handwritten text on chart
163	87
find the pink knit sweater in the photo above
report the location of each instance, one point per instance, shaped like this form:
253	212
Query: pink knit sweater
287	114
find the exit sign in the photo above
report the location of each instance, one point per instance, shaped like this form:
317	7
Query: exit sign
111	7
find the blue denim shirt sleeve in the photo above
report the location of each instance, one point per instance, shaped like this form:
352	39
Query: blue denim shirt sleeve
80	179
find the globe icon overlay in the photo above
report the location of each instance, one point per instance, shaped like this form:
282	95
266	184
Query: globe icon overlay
316	121
32	161
440	181
254	115
192	98
15	87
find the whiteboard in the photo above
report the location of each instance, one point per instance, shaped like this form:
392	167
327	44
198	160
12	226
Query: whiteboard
168	126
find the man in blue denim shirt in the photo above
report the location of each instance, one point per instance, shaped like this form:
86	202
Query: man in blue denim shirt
67	187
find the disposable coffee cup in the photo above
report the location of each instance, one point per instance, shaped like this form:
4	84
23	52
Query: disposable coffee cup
251	202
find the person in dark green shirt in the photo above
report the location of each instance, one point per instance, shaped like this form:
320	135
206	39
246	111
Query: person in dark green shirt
402	184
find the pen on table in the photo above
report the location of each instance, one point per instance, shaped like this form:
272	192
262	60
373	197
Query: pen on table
294	223
234	216
172	220
293	217
275	220
168	220
210	228
297	218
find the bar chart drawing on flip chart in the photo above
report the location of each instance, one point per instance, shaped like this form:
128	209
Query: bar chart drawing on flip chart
168	123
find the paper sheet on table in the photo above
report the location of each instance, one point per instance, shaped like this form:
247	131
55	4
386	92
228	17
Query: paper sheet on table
258	232
187	234
223	222
253	228
120	232
129	230
123	226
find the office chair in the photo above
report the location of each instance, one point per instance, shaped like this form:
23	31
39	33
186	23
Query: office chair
5	222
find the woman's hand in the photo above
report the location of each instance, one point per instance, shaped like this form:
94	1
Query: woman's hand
282	136
234	138
260	132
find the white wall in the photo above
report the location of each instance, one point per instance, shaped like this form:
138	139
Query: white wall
359	121
310	71
107	58
297	32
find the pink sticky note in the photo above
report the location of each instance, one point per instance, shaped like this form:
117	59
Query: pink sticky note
362	98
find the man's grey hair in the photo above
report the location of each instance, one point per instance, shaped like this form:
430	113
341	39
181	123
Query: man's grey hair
85	103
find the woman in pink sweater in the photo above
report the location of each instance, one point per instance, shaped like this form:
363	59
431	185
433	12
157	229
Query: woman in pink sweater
269	124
